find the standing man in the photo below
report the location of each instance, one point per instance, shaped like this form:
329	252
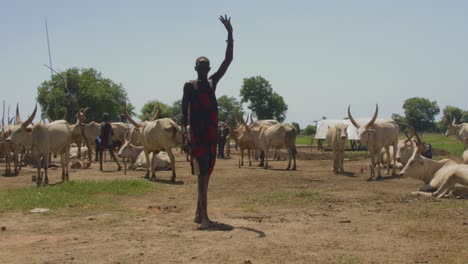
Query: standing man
105	137
200	111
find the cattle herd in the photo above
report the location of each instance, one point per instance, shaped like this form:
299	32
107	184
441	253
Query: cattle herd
149	145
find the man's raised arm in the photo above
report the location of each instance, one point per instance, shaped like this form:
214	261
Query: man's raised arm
229	52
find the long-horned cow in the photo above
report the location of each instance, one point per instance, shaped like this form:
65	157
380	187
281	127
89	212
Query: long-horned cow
460	131
336	138
46	138
10	149
439	177
157	135
376	135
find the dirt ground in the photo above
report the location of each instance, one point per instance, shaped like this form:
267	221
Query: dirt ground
270	216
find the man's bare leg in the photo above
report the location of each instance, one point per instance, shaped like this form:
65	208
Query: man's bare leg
201	215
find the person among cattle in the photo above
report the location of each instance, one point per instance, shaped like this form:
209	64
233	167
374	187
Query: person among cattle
105	138
200	111
223	132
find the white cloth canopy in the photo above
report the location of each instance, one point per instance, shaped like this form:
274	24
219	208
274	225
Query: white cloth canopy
323	125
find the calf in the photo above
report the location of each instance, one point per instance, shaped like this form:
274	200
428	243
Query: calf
336	138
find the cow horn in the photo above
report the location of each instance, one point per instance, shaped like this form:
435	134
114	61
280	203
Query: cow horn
454	122
237	120
11	120
46	113
156	114
65	114
18	118
418	138
129	118
30	119
246	126
251	118
419	149
406	134
126	136
371	123
3	115
351	117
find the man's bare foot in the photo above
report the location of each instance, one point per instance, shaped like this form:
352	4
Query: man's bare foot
197	219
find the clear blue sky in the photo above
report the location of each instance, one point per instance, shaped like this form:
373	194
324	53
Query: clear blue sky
319	55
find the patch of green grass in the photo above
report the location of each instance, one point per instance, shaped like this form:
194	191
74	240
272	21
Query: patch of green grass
286	198
305	140
440	142
81	194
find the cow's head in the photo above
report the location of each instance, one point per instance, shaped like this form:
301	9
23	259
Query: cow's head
127	148
365	133
342	132
21	133
223	130
453	129
416	166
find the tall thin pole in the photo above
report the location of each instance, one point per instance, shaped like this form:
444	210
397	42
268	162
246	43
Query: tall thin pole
48	47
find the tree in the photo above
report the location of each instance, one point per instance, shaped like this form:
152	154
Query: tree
78	88
298	127
420	113
176	111
309	130
148	110
399	119
451	113
228	107
262	100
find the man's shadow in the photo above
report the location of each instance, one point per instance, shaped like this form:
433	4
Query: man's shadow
164	181
215	226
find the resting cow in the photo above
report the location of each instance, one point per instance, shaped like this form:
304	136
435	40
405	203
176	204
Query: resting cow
439	177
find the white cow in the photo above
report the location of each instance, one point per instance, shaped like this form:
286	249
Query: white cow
158	135
460	131
375	136
137	157
279	136
336	138
54	137
440	177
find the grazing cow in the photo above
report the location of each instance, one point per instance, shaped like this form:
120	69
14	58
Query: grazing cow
336	139
279	136
465	156
46	138
460	131
375	136
439	177
157	135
